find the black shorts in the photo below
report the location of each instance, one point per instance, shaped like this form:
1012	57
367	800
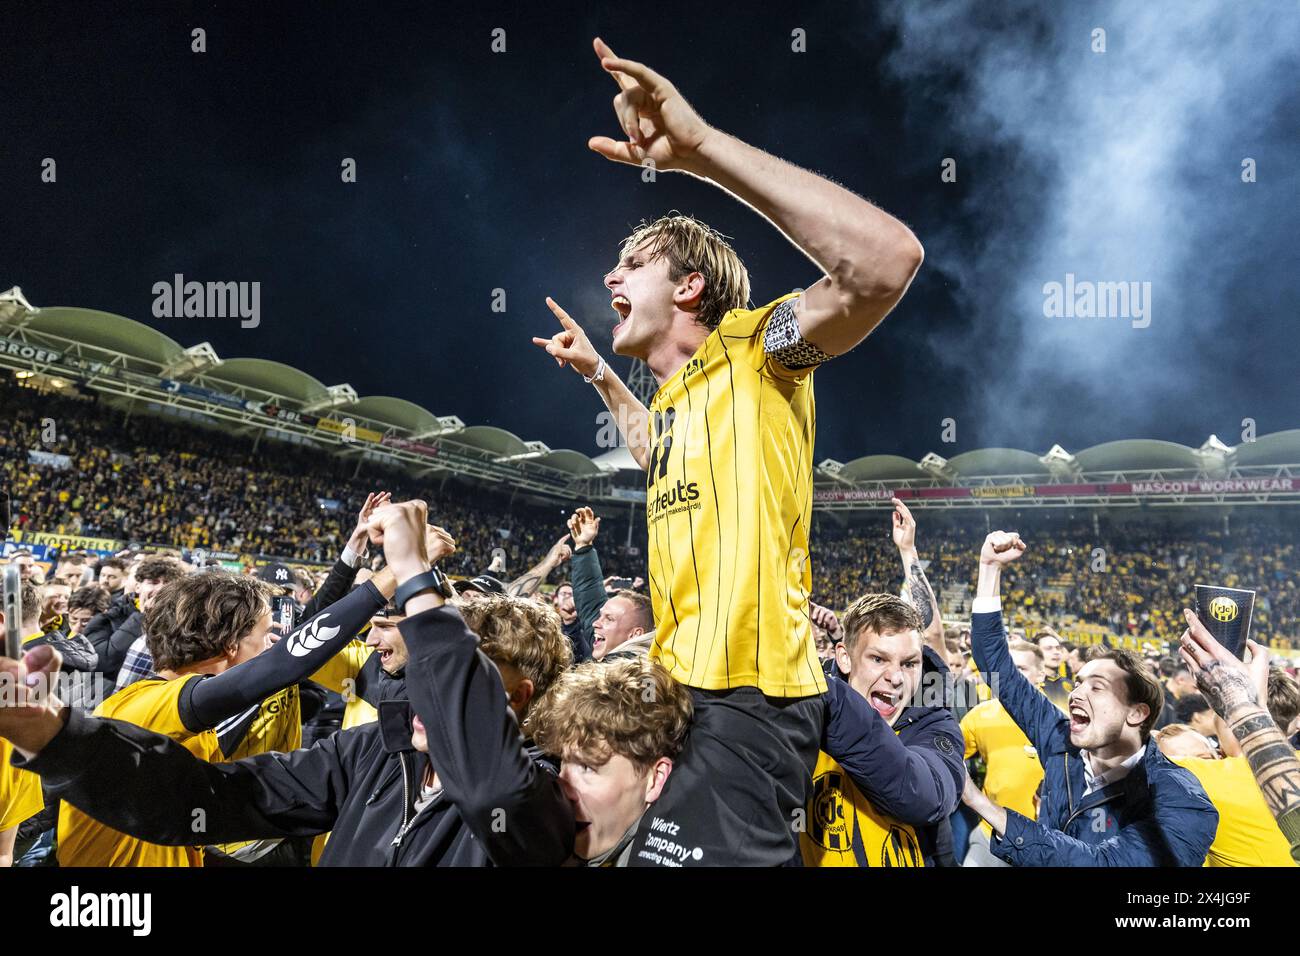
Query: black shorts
739	789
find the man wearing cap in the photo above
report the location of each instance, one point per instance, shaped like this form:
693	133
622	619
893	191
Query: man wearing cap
475	588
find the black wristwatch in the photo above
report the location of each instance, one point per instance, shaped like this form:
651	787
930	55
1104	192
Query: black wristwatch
431	580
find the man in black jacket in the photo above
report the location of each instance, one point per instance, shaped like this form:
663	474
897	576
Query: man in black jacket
77	653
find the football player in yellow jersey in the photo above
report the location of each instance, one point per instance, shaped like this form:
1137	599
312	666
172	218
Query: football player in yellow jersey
727	445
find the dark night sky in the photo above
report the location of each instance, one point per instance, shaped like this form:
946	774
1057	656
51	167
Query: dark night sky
474	175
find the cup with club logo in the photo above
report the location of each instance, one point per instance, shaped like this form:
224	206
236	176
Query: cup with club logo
1225	612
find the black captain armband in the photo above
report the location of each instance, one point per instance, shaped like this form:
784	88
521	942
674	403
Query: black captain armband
784	341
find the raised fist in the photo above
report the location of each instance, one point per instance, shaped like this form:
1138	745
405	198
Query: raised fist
1001	547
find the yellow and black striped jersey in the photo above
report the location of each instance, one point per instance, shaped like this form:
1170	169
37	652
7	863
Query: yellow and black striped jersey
844	829
273	726
729	500
276	727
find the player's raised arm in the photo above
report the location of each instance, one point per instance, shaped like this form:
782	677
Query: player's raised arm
867	256
570	346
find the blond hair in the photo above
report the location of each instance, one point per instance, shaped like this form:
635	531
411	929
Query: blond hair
522	633
630	707
688	245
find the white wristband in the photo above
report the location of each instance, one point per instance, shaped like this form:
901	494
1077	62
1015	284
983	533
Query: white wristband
599	376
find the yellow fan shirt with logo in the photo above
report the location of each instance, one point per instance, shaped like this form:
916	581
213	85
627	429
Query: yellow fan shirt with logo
844	829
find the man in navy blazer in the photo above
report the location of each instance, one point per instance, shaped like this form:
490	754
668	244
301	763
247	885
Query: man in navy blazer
1108	798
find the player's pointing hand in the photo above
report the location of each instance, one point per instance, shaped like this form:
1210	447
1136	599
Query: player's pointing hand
569	346
656	119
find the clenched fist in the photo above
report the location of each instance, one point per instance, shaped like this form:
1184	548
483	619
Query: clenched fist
1002	547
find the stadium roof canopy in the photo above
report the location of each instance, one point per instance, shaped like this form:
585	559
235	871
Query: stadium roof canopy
1136	453
272	378
1271	449
103	330
1129	455
997	461
881	468
136	347
397	412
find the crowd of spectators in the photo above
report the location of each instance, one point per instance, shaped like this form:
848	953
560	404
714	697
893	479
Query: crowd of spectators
120	628
147	480
150	481
1130	579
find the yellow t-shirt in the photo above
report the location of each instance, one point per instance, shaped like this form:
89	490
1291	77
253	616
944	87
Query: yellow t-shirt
20	791
844	829
153	704
339	674
728	504
1014	771
983	691
1248	834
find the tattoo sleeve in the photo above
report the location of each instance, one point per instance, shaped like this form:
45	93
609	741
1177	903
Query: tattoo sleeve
1276	767
922	596
1227	689
525	585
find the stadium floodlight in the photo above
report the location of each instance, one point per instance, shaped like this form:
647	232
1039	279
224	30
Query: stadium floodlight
1213	446
15	310
195	359
1216	457
937	466
335	395
447	425
1061	463
536	449
830	468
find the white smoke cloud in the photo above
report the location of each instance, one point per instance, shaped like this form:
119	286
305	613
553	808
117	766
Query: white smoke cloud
1126	168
